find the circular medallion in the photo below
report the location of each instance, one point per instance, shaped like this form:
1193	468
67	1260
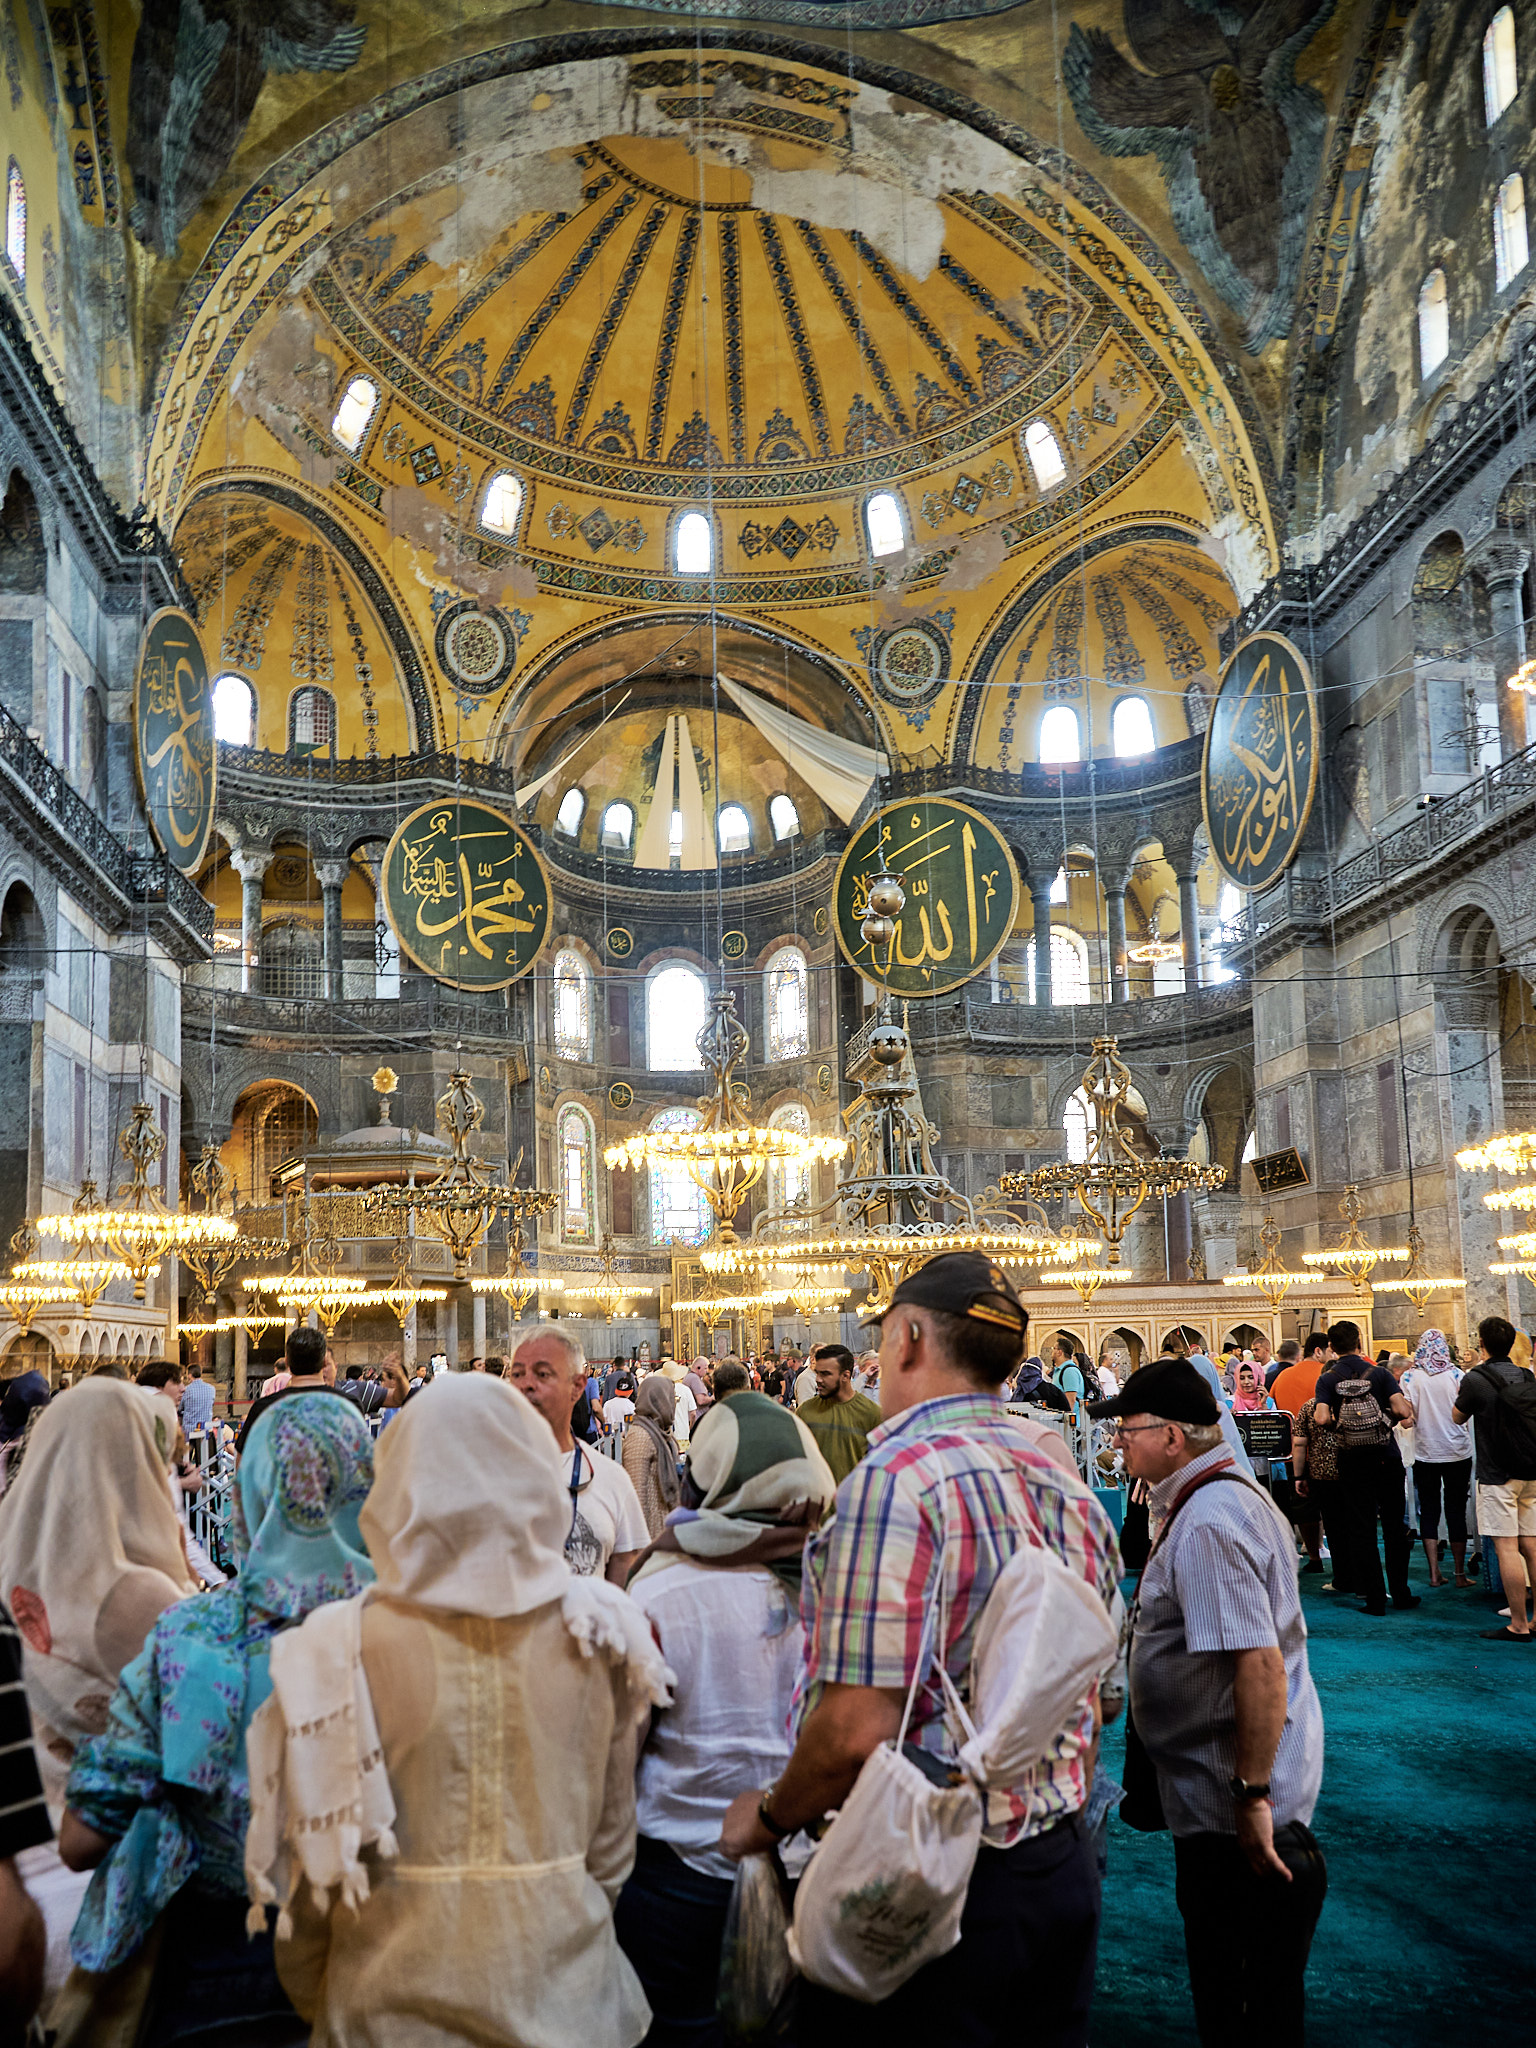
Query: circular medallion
621	942
824	1079
733	945
466	893
910	664
476	649
547	1080
621	1095
819	922
1258	775
173	741
961	890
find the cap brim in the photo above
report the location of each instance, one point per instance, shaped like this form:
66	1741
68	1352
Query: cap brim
1097	1409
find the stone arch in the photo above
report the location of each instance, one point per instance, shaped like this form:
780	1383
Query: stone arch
23	542
1464	964
270	1122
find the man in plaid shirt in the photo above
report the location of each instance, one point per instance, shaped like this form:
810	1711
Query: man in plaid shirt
948	1476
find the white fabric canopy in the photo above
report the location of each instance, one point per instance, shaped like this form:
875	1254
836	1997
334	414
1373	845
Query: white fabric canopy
840	771
683	793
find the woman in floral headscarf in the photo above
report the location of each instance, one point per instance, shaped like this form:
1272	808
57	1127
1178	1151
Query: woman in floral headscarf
1442	1464
158	1805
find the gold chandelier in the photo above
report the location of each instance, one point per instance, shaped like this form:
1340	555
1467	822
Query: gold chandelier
1270	1276
213	1263
141	1231
612	1290
1418	1283
465	1199
1114	1179
1352	1257
23	1300
725	1155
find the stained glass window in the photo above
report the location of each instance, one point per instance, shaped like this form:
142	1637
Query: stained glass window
675	1007
573	1007
786	1004
576	1176
680	1211
311	721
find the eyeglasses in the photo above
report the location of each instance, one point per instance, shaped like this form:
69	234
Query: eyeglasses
1140	1429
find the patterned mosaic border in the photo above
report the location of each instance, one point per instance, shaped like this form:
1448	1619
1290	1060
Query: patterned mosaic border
326	146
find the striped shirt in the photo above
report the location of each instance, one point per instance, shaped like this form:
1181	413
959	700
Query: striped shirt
23	1815
953	1477
1223	1580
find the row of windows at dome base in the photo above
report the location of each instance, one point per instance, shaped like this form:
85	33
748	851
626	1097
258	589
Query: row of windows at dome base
311	715
676	1007
1130	730
693	533
679	1211
1511	253
732	823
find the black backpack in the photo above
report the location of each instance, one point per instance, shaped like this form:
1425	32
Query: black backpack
1511	1425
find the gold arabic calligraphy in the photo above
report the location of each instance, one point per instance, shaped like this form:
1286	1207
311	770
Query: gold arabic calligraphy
176	737
458	882
1259	796
952	922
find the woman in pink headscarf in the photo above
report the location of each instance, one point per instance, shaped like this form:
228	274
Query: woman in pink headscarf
1248	1395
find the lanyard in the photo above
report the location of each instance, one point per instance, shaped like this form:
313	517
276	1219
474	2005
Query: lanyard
575	1486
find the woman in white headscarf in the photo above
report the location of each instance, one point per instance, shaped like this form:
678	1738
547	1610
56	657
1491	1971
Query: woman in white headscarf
414	1763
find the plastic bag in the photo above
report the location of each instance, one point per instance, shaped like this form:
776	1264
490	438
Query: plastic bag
755	1998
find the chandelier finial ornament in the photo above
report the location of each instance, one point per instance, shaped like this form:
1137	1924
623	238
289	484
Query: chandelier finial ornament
1418	1283
1353	1257
725	1154
1113	1180
140	1231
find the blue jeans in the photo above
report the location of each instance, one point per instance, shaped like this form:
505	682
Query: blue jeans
670	1921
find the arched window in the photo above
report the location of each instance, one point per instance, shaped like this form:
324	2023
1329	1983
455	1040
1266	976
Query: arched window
16	219
884	524
1060	735
577	1219
311	721
1069	966
1511	248
788	1184
1131	727
1501	76
693	546
618	823
353	415
1045	456
676	1004
680	1211
234	711
675	837
572	809
283	1124
1074	1121
572	1007
503	502
735	829
783	817
786	1005
1434	323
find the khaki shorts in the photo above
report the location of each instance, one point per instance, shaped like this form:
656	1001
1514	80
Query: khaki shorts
1507	1510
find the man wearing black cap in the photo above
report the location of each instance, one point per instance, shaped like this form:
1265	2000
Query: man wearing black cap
1224	1703
951	1485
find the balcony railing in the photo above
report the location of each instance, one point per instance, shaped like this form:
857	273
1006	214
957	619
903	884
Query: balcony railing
436	1013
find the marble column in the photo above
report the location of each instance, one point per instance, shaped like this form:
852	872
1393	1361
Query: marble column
331	874
1114	915
242	1358
1502	565
1040	897
250	864
1189	929
477	1340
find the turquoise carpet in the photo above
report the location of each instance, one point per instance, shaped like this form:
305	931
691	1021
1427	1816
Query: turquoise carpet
1428	1822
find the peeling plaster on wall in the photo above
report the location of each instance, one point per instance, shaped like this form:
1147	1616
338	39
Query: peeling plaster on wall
289	388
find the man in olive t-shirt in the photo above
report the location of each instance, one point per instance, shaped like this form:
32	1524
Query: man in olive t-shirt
838	1418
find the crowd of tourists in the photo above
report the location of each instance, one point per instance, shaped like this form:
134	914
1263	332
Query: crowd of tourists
545	1704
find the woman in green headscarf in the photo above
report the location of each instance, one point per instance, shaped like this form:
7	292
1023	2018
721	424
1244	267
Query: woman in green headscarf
721	1588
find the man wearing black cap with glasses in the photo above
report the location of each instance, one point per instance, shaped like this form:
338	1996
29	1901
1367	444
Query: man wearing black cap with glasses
1224	1703
951	1485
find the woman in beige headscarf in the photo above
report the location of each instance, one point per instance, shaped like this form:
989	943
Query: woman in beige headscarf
650	1452
414	1763
90	1553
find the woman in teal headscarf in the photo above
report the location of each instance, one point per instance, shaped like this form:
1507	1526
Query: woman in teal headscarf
159	1803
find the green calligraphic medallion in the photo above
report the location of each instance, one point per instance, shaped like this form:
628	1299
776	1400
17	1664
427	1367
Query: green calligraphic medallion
467	895
173	744
1259	774
962	891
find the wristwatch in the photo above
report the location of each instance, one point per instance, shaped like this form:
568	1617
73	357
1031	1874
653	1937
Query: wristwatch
778	1833
1242	1792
